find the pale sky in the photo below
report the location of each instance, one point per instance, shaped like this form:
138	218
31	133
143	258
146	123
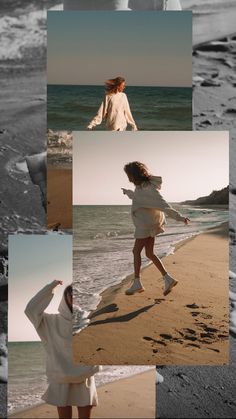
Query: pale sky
191	163
147	48
35	261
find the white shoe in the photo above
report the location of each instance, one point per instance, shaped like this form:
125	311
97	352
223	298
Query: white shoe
135	287
169	283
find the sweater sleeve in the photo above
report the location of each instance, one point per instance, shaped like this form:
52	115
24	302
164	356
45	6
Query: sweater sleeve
129	116
156	200
97	120
36	306
129	193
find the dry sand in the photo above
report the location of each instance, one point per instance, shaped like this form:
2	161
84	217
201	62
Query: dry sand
59	195
198	392
189	326
132	397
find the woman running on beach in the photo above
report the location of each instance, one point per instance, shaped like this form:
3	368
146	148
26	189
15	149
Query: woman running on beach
148	208
115	108
69	384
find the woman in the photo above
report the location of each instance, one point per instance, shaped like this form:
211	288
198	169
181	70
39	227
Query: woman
115	108
69	384
148	208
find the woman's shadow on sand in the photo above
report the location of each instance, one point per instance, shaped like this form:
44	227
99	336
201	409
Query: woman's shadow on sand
113	308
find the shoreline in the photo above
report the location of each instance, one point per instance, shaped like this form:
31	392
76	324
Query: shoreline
145	380
192	324
128	277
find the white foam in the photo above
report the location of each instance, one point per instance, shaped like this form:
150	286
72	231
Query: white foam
20	33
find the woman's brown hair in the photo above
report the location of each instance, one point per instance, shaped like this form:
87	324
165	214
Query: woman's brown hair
137	172
113	85
68	291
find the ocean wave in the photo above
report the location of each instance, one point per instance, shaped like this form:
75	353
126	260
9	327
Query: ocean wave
20	33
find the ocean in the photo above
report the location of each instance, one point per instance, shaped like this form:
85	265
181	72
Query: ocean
27	380
103	241
153	108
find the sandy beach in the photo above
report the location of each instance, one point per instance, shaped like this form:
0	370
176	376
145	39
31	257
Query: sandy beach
59	196
22	124
198	392
189	326
132	397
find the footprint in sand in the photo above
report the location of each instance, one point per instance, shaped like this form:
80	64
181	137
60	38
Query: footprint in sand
159	300
167	337
206	316
195	313
193	345
192	305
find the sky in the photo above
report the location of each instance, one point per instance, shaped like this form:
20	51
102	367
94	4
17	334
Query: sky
146	48
191	163
35	261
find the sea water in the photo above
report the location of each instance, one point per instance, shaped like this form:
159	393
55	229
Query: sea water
27	380
153	108
103	242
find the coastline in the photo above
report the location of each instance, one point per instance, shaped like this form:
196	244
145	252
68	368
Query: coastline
189	326
118	399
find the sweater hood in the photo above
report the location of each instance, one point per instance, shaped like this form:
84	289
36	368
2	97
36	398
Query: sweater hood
64	309
156	181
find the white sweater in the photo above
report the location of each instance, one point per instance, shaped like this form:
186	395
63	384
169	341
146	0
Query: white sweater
55	331
116	111
148	207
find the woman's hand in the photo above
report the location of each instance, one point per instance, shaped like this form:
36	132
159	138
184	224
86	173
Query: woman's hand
57	282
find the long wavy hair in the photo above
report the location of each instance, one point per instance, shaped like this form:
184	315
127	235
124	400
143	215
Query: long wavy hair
68	292
114	85
137	172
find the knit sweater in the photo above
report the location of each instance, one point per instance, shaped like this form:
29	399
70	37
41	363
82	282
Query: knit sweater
116	112
148	207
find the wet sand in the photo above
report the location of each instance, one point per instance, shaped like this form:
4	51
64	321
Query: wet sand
189	326
132	397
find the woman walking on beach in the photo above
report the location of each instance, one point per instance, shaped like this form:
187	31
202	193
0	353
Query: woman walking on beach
115	108
69	384
148	208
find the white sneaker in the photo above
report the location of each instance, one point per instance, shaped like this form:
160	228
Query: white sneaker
135	287
169	283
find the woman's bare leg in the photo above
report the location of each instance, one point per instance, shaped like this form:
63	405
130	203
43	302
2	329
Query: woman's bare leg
149	246
138	247
64	412
85	412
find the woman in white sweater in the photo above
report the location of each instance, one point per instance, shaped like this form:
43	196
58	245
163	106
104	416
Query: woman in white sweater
148	208
114	108
69	384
